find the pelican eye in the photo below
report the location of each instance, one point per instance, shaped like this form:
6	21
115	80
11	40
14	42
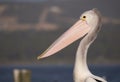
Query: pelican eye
84	17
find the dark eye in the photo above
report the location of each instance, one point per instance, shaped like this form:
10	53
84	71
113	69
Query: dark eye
84	16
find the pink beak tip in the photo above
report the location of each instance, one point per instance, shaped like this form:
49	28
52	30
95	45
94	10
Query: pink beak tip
40	56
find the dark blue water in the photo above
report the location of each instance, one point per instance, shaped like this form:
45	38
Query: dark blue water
59	73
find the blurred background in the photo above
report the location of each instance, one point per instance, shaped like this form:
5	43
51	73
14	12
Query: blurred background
28	27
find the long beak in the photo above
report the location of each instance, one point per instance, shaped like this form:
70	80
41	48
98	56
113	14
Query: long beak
78	30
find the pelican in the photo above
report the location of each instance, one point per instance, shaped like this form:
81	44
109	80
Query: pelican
88	25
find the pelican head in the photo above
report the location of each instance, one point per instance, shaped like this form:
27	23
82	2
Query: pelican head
88	21
88	24
91	17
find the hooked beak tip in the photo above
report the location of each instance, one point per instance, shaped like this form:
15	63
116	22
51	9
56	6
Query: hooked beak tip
42	55
39	57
